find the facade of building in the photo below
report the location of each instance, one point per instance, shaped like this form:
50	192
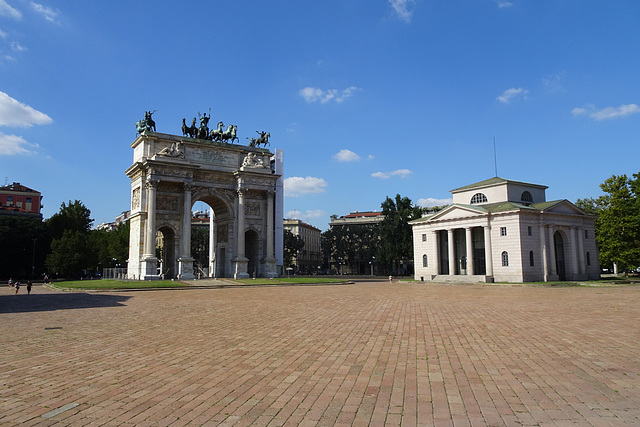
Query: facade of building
309	259
16	199
505	231
357	256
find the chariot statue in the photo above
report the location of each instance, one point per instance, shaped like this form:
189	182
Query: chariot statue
263	139
146	124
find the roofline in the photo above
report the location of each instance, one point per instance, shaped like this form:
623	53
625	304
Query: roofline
492	182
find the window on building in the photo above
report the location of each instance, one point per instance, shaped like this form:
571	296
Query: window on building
531	258
425	261
586	234
529	231
526	197
505	259
503	231
9	200
424	237
588	258
28	199
478	198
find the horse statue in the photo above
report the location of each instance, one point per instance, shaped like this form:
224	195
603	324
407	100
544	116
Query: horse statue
189	131
216	134
230	134
262	139
146	124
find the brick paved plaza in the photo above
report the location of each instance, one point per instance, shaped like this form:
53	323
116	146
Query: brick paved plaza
360	354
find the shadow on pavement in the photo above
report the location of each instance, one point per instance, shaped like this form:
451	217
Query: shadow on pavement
52	302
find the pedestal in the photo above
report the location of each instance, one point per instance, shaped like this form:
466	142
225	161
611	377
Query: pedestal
240	268
185	268
149	268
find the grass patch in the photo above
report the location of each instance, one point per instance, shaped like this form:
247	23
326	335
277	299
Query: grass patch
117	284
292	280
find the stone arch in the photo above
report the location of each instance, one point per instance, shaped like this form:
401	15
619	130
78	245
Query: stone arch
171	173
166	251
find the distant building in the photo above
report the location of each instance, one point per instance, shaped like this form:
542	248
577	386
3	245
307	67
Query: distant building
309	258
16	199
357	256
120	219
505	231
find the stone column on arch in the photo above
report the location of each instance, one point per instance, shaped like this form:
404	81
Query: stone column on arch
469	246
212	243
150	261
241	261
451	252
270	259
185	262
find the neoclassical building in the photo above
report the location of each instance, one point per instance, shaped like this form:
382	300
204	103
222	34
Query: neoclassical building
500	230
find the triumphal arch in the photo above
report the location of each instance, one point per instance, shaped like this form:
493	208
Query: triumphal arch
170	173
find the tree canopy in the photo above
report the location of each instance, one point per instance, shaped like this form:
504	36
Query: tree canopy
396	235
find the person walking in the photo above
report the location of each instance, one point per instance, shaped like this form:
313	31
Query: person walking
17	285
28	287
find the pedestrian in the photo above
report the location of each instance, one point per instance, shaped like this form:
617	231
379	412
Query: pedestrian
390	279
11	282
17	285
28	287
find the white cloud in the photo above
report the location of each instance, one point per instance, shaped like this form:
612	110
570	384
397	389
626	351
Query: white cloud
430	202
7	10
402	173
401	7
346	156
509	94
554	83
504	3
48	13
309	214
607	113
17	47
14	144
15	113
3	34
299	186
311	94
370	157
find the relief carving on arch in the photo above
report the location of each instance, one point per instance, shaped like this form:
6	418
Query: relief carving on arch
252	209
135	198
166	203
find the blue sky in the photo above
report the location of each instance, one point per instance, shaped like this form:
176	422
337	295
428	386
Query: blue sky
367	98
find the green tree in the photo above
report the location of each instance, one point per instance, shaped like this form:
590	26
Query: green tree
22	246
292	244
72	250
200	245
396	242
618	223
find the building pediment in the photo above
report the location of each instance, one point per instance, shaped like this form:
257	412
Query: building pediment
457	212
559	207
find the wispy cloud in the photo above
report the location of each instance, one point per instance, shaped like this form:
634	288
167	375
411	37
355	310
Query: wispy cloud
17	47
298	186
346	156
504	3
307	215
15	113
8	11
48	13
553	83
311	94
509	94
606	113
401	8
13	144
430	202
402	173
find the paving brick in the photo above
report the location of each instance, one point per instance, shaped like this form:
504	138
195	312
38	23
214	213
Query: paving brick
363	354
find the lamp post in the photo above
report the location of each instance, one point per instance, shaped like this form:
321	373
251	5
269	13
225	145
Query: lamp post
373	259
33	258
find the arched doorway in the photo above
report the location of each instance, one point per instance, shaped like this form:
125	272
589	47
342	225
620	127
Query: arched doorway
252	251
166	252
558	244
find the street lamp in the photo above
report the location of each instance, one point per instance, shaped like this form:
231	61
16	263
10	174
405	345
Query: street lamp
373	259
33	258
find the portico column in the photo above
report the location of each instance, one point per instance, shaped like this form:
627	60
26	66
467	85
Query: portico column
487	250
552	251
452	259
574	252
544	252
469	245
582	265
150	233
436	252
